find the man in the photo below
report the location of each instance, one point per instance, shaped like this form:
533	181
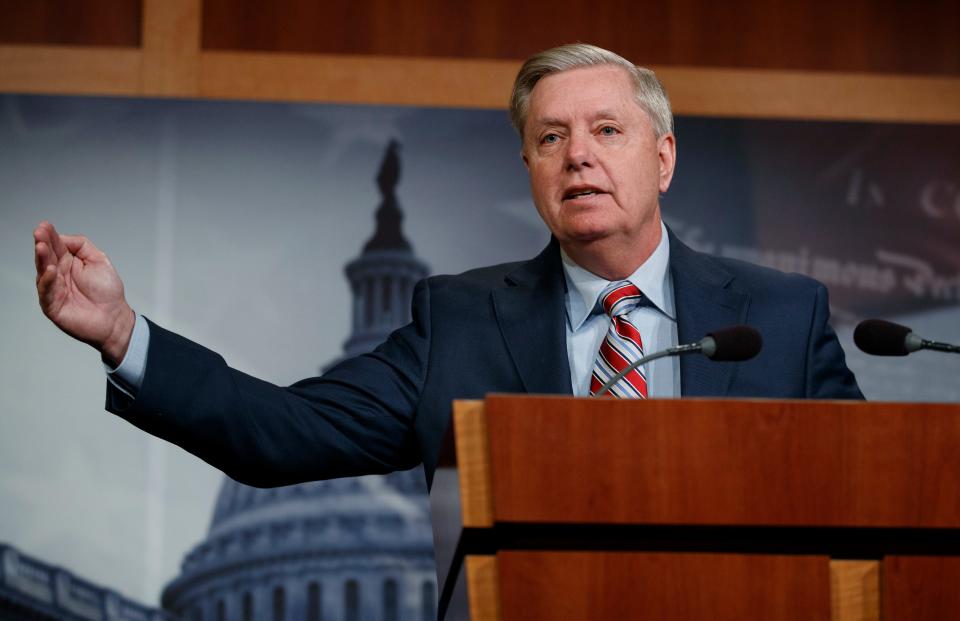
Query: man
598	145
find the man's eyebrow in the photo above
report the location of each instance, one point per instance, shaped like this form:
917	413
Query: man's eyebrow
605	114
548	121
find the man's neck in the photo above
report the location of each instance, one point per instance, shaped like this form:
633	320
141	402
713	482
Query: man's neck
614	258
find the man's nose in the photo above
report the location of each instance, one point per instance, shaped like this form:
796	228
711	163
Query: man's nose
579	152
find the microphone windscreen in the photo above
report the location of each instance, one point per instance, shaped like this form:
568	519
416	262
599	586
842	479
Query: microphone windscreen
736	343
881	338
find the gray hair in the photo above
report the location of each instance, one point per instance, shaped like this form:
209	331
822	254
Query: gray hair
650	94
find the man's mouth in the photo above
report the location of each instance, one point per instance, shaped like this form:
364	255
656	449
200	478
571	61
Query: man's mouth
581	193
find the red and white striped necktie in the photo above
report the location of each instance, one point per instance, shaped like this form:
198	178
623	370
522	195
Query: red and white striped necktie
621	346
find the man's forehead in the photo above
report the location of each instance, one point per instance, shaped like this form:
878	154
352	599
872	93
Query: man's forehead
603	91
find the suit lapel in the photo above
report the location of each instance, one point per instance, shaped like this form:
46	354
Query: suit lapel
532	315
704	303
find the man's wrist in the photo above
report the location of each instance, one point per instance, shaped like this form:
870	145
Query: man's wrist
115	347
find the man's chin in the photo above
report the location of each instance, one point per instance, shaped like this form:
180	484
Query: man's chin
585	237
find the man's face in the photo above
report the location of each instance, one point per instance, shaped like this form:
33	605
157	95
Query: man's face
596	166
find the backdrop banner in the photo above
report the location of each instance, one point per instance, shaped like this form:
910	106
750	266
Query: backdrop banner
234	224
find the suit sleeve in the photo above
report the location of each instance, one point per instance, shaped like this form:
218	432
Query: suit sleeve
827	374
356	419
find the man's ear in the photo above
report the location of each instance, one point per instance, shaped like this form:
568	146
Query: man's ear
526	162
667	153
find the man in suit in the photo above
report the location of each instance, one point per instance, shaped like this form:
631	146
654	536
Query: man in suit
599	148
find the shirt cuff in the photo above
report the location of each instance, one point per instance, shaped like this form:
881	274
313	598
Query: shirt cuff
128	376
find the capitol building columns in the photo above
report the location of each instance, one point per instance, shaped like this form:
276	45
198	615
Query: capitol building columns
296	588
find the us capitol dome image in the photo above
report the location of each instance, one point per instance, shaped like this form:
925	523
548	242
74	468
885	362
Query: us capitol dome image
352	549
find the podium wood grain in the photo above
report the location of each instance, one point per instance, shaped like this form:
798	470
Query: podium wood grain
473	457
714	461
855	590
545	462
483	588
630	585
921	588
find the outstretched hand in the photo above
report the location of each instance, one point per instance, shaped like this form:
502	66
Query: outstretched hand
81	292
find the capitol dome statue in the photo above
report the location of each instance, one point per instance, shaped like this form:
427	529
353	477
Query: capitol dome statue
353	549
383	276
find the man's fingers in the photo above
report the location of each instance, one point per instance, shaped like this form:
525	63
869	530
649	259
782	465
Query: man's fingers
44	257
38	249
79	246
56	240
46	233
46	288
61	245
41	234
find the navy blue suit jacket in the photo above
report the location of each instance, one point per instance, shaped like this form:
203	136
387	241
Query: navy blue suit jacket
495	329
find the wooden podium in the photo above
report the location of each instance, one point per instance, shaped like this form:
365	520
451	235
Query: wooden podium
574	508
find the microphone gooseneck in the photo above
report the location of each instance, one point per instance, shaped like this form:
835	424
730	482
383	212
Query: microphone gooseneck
730	344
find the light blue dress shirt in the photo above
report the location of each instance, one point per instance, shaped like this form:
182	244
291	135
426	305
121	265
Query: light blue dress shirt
128	376
586	326
656	320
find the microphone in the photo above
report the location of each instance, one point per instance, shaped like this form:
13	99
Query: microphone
730	344
885	338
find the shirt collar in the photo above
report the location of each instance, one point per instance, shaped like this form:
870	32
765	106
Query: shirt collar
652	278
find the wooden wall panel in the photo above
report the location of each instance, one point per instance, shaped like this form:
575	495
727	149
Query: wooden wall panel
897	36
171	48
426	53
69	70
486	84
110	23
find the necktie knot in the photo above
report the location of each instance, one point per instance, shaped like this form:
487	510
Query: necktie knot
620	298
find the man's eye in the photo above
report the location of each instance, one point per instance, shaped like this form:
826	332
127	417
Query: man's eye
550	139
606	130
